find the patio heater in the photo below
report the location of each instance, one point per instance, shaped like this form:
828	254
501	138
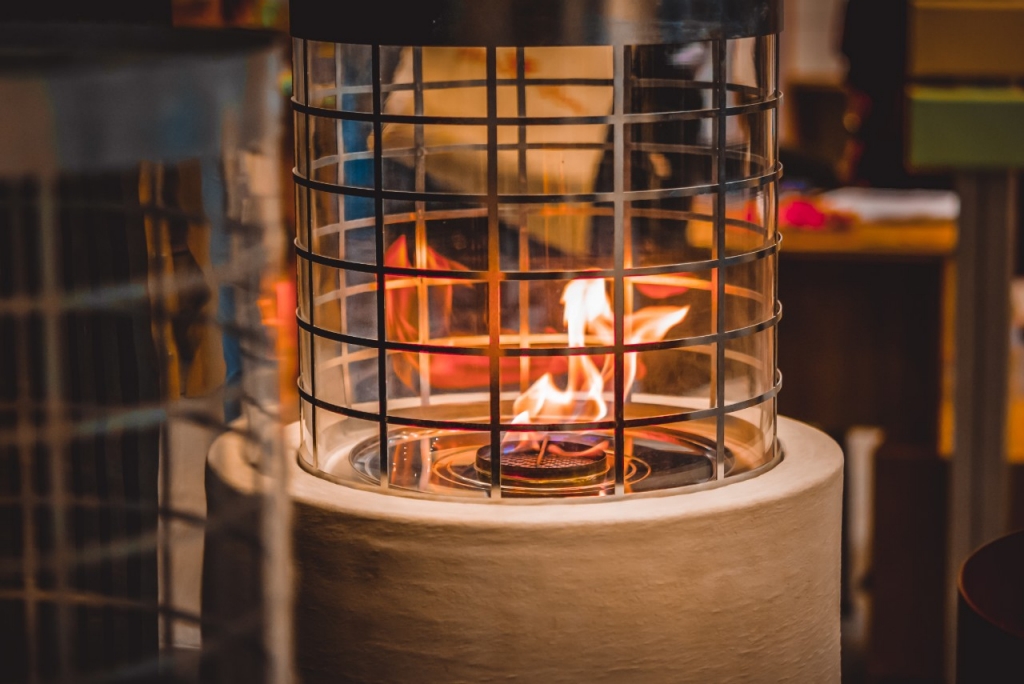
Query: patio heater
537	306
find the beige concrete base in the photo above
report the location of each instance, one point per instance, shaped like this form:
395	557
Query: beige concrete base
735	584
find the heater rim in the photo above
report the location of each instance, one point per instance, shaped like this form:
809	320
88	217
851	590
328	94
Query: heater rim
811	461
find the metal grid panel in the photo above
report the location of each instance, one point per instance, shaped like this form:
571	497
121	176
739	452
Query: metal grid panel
496	144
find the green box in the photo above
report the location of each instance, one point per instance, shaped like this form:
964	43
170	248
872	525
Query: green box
965	127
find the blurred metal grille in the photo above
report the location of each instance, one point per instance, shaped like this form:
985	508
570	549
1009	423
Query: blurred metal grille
137	224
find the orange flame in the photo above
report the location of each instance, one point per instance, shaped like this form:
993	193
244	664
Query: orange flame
587	309
587	312
583	398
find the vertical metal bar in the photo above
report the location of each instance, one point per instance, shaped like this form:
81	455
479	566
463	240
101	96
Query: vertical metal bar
339	85
627	225
56	427
493	271
26	436
421	246
423	291
719	143
979	495
162	291
619	185
339	124
524	217
310	280
627	175
772	214
378	207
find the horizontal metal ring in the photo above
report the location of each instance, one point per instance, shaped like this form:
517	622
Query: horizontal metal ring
650	421
541	352
590	210
709	413
529	276
606	119
629	195
636	83
402	154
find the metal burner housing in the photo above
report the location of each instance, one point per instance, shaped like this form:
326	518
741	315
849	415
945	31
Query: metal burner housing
459	166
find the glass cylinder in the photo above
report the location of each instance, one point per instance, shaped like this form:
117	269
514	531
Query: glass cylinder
537	245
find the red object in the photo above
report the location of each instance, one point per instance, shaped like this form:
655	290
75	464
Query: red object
802	213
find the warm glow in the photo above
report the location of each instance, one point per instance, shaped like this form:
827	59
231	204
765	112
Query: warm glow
588	310
582	399
588	317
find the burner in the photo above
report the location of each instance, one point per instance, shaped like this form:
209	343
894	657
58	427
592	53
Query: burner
458	463
555	457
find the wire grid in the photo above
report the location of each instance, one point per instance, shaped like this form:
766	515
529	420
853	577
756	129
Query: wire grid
316	104
101	307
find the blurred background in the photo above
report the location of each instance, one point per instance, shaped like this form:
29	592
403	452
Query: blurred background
901	277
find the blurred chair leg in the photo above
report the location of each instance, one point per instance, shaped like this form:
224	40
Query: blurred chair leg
907	577
978	471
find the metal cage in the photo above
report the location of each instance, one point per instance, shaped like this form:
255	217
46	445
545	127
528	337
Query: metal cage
537	244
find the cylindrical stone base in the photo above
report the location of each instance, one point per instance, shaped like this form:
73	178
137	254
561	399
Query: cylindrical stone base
734	584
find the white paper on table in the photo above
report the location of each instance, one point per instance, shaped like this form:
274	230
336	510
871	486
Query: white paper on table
881	204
